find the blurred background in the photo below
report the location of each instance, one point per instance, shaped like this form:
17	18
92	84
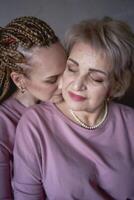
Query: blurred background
61	14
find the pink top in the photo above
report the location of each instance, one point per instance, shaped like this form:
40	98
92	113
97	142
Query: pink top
10	113
55	157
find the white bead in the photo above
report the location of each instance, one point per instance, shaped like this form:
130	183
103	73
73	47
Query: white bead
90	127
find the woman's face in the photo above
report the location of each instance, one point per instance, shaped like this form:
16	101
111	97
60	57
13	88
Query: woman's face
46	66
85	83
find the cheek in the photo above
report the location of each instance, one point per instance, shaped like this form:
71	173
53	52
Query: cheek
98	94
41	87
66	81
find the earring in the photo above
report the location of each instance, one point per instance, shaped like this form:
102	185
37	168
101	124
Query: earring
109	97
22	89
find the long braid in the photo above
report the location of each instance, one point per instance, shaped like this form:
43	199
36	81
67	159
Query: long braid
25	32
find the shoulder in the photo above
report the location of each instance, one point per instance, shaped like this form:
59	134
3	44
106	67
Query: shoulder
10	114
4	108
37	113
41	109
11	109
34	124
121	111
7	113
122	108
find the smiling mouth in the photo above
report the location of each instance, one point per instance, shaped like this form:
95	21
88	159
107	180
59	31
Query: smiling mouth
76	97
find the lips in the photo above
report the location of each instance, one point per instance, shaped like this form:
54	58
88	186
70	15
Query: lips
76	97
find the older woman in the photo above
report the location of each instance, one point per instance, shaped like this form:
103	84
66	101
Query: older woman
31	61
82	148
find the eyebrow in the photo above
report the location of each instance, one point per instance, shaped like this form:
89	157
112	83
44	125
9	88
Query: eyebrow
100	71
75	62
90	69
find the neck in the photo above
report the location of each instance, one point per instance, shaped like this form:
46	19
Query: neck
25	98
86	119
92	118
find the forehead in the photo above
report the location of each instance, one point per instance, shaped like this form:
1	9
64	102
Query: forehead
86	56
48	60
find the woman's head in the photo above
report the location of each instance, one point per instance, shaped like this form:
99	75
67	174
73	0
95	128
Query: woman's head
30	56
115	40
100	62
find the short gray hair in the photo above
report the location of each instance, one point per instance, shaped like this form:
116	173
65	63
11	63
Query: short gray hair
113	37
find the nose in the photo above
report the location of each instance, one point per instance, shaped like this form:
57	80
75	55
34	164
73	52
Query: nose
79	84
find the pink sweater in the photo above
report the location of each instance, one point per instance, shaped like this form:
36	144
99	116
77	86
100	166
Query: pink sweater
10	113
55	157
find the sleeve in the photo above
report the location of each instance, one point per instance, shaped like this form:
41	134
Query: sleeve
5	174
27	182
5	162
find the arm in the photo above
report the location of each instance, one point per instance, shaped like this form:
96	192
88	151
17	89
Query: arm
27	161
5	160
5	174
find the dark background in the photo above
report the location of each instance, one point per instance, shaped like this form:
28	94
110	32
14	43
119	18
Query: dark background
61	14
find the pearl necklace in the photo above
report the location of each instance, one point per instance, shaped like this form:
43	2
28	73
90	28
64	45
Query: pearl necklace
86	126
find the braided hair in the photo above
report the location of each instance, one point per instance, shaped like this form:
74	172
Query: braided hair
25	32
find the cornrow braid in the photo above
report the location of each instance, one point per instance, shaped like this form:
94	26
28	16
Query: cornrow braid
25	32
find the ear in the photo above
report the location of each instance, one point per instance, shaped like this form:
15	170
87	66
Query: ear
18	79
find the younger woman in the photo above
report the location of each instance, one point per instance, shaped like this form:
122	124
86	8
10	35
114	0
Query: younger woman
31	61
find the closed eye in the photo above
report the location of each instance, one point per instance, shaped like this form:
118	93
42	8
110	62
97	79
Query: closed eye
72	68
52	80
97	77
98	80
